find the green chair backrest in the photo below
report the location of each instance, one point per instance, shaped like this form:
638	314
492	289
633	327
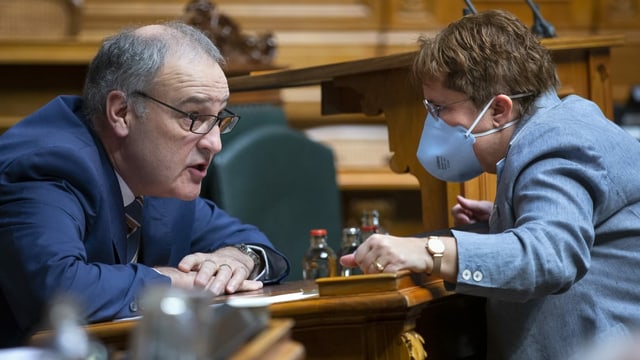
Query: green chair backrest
284	183
252	116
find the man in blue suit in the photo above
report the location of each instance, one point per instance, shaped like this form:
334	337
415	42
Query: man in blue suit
146	128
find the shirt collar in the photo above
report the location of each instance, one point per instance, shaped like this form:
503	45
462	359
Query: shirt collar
127	194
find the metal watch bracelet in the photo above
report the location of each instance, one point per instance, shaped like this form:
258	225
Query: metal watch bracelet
257	261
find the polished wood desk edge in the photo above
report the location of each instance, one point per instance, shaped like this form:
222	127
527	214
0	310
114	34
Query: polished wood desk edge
79	52
47	52
584	42
360	305
105	331
315	75
383	179
121	329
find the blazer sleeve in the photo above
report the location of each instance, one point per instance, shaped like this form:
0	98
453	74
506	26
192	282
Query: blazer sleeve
215	228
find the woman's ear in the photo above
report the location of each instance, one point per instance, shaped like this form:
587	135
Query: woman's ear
118	113
502	106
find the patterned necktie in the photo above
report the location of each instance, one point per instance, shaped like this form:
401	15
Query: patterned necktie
133	221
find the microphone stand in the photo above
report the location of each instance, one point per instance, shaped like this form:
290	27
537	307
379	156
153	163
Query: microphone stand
470	9
540	26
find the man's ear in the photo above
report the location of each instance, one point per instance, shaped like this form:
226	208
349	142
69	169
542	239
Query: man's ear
118	113
502	106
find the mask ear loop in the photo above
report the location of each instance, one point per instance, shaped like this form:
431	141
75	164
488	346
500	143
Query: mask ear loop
489	132
495	130
477	120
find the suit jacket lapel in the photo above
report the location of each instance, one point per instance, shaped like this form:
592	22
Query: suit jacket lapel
114	207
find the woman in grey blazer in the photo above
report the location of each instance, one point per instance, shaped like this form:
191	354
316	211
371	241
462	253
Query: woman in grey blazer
561	262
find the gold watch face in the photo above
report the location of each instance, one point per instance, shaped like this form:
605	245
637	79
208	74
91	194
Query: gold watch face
435	246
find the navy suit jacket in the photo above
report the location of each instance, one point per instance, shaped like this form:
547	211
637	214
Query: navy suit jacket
62	228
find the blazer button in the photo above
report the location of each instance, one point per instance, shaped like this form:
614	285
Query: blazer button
477	276
133	306
466	274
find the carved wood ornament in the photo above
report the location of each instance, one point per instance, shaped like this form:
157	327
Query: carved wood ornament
239	49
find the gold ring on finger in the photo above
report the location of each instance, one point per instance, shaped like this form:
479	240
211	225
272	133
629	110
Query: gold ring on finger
378	266
227	265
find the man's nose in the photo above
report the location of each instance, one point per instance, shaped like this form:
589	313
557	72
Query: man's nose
211	141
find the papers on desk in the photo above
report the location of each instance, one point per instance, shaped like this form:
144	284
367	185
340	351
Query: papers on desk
128	318
26	353
240	300
244	300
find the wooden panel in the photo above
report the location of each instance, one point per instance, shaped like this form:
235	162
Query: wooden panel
624	67
617	14
27	19
313	32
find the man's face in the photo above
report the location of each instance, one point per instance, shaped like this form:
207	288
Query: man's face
163	157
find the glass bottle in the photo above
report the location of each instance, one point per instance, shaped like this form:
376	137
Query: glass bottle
371	221
370	224
176	324
349	244
319	260
366	231
70	339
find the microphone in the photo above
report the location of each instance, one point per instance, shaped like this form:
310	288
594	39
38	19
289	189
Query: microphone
470	9
540	26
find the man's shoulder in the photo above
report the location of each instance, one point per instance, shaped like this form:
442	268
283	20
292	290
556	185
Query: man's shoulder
58	123
51	143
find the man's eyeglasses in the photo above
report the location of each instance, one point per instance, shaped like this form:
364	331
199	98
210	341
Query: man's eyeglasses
202	124
434	109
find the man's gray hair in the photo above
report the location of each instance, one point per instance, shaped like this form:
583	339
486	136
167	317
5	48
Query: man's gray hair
129	61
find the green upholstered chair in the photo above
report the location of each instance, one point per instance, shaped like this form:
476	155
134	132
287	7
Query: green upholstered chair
279	180
252	116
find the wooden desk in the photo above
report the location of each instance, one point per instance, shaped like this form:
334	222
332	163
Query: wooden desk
368	317
273	343
381	86
364	317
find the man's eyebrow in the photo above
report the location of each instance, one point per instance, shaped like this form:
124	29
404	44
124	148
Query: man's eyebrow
199	100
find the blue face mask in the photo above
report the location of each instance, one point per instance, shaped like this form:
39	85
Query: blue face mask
446	152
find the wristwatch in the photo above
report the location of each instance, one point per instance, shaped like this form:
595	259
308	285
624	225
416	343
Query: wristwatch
435	247
257	261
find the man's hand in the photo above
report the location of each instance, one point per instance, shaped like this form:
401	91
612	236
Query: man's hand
223	271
